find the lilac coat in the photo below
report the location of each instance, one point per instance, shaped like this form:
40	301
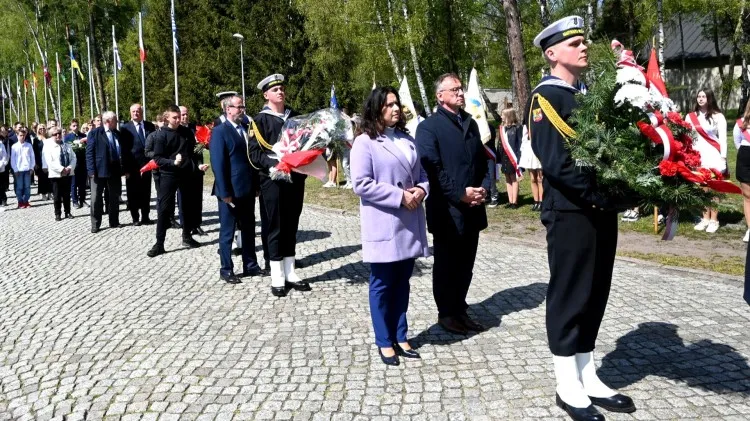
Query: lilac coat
381	173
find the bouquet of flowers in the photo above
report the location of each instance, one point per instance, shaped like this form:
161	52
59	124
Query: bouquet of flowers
632	134
305	139
202	137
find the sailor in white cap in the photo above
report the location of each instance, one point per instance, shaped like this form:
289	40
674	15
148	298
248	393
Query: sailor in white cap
282	200
581	229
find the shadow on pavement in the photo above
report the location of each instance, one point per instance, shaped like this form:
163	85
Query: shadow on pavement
488	312
656	349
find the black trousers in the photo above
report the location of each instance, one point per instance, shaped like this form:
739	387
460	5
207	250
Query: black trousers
4	183
453	269
61	194
169	183
113	184
138	187
283	201
44	186
198	199
581	247
78	189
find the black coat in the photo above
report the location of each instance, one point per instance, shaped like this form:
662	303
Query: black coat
170	142
98	156
136	144
454	158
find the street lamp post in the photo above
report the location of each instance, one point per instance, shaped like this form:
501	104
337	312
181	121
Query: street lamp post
242	63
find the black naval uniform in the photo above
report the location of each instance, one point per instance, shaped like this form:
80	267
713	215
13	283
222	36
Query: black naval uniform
581	228
282	200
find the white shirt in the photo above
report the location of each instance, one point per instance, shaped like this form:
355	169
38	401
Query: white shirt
51	156
22	157
739	138
404	145
717	128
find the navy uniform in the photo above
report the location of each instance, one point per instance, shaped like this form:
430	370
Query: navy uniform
581	240
282	200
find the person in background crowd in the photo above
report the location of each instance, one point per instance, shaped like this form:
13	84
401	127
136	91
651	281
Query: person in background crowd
391	183
174	146
22	161
533	167
345	161
198	181
96	122
44	187
742	142
134	134
492	168
60	161
234	189
452	154
78	180
85	127
510	137
4	169
581	228
106	162
283	200
711	126
3	163
333	171
51	123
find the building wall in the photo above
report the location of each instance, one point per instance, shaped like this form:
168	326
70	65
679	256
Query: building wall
684	87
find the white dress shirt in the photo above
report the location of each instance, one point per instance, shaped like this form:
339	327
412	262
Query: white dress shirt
22	157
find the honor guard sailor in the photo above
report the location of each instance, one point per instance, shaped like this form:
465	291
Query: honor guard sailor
282	200
581	229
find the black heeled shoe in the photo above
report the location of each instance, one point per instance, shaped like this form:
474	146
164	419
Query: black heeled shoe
579	414
406	353
617	403
393	360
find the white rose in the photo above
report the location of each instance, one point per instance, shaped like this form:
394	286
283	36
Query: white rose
631	94
627	74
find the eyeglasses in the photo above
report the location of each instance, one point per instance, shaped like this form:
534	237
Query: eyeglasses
454	90
239	107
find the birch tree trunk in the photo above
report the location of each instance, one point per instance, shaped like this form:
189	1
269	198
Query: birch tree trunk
660	19
388	49
590	19
726	89
521	87
96	68
415	62
544	12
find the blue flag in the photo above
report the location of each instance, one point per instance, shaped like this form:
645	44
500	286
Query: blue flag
174	30
334	102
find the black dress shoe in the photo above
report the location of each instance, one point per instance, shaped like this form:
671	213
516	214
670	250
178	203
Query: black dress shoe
137	223
231	278
579	414
147	221
58	218
198	231
190	243
279	291
94	230
115	226
471	324
69	216
453	325
406	353
236	251
393	360
298	264
617	403
79	205
256	271
175	224
156	250
298	286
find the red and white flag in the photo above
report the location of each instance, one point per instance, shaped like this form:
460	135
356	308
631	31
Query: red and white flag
140	38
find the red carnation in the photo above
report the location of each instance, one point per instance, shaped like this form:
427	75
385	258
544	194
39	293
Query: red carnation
705	173
668	168
692	159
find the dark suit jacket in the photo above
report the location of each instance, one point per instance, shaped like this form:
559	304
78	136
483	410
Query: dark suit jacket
233	175
136	144
98	162
454	158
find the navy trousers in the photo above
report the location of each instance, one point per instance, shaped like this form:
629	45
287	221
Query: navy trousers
389	300
244	213
747	276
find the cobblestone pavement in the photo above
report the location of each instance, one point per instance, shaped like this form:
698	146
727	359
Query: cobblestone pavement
90	328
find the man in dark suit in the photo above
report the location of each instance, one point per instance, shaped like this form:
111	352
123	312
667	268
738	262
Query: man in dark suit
234	188
106	162
134	134
174	147
453	156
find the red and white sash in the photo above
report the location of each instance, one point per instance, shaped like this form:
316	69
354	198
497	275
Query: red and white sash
712	140
509	151
745	132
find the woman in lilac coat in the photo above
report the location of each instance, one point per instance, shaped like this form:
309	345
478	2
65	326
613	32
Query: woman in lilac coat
391	184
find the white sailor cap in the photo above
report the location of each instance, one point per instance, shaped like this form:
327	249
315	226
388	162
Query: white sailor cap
568	27
270	81
222	95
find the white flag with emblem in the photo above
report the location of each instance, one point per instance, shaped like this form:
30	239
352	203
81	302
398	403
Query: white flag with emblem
476	107
409	113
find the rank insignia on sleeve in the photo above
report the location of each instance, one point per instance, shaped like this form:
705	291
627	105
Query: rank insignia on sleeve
537	114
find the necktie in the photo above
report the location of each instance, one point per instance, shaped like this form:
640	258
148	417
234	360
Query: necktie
113	152
241	131
460	120
140	133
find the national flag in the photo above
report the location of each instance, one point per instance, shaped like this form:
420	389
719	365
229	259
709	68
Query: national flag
653	75
407	107
74	65
118	63
475	106
140	38
59	69
174	30
25	85
334	103
33	77
47	76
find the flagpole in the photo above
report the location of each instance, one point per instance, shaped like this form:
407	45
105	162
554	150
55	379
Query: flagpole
33	93
57	68
91	88
143	70
3	93
25	97
114	62
46	105
174	56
